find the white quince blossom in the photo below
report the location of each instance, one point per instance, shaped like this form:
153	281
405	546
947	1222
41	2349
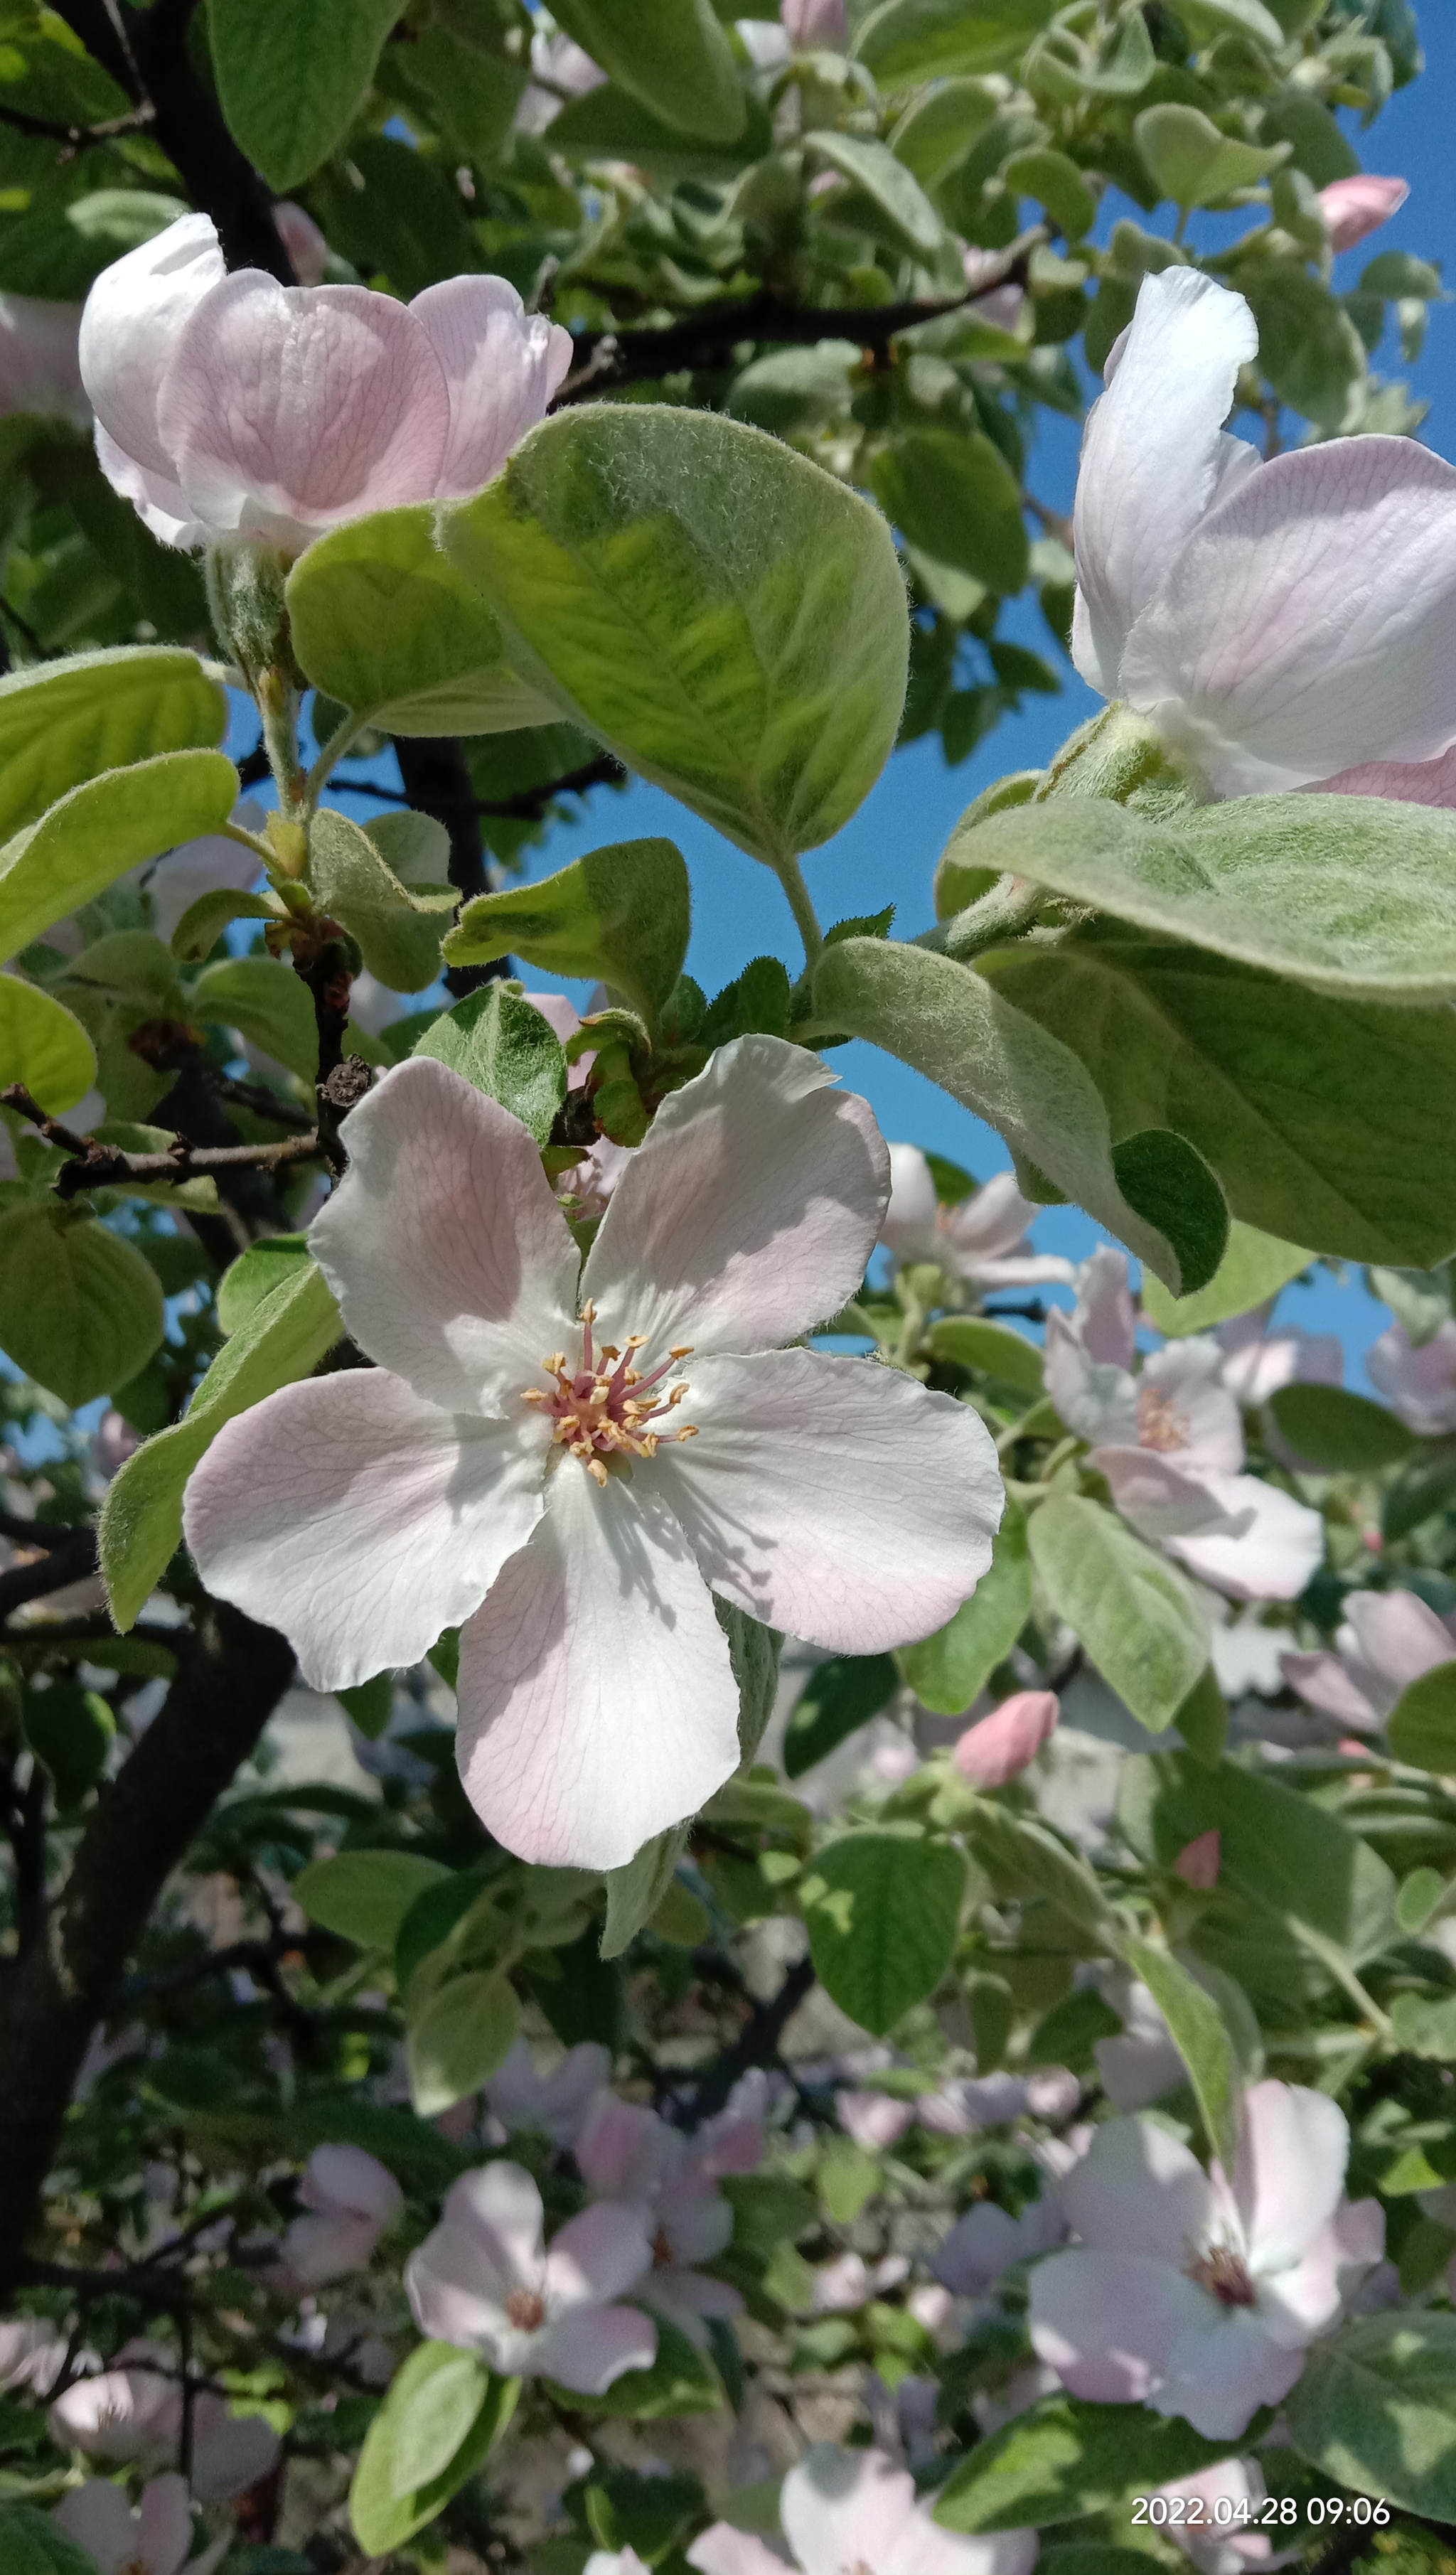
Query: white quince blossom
1194	2293
513	1468
555	2103
856	2512
133	2410
628	2154
982	1238
1280	623
488	2280
1259	1356
231	410
350	2200
32	2354
154	2540
1227	2538
1386	1640
1419	1383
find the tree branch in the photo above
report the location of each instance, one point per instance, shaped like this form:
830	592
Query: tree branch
76	138
231	1677
529	806
104	1167
755	2044
69	1562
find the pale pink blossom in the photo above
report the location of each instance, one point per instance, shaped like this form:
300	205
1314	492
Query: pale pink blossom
987	2241
554	2103
32	2354
626	2152
982	1238
1194	2293
1145	2063
1228	2537
1000	1746
855	2512
1258	1359
351	2199
1355	208
1418	1383
474	1478
1275	623
133	2410
40	369
154	2540
816	24
902	2418
875	2120
488	2280
1199	1861
1386	1640
560	70
232	410
964	2104
303	241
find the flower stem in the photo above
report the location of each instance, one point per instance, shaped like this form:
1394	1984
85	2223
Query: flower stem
329	757
277	707
790	876
1009	907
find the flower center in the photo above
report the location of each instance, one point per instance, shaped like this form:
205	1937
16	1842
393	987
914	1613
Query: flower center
1158	1425
604	1408
1224	2275
527	2310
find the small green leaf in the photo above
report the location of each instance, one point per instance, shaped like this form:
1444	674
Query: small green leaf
1422	1728
1280	1852
882	1909
905	42
98	830
203	922
971	1340
1427	1485
398	930
1375	2408
80	1310
634	1891
621	915
382	2518
1254	1268
670	54
364	1895
1057	184
292	80
954	494
1064	2458
430	2429
1420	1894
889	185
1024	1858
1207	20
502	1046
264	1265
1309	347
1134	1615
62	723
839	1697
72	1732
1167	1180
462	2032
1337	1433
272	1010
952	1669
370	1705
1200	2038
33	2543
1191	162
43	1046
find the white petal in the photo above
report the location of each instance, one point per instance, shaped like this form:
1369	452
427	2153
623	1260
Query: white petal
751	1211
500	366
596	1699
359	1520
98	2518
451	1261
833	1497
1093	1398
1323	1683
1154	454
589	2348
159	501
1395	1640
992	1222
1310	622
1138	2190
134	318
598	2254
1185	1407
1291	2175
910	1225
1281	1548
1420	1383
1164	1499
1221	2368
1104	1316
164	2525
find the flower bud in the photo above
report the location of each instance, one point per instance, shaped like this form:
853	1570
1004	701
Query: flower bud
813	23
1197	1863
1355	208
1003	1744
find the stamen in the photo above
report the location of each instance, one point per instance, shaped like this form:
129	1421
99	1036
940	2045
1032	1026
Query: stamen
595	1414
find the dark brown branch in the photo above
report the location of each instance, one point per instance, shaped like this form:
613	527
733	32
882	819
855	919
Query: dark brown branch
56	1571
76	138
104	1167
529	806
438	782
231	1678
755	2044
256	1097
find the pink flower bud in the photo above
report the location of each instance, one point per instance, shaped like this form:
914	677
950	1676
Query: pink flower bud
1197	1863
812	24
998	1747
303	241
1354	208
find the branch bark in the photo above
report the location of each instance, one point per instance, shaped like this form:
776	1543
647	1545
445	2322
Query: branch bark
55	1994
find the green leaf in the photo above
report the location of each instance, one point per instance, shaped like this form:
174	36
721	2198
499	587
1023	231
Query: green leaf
882	1909
1322	1119
1169	1182
952	1669
382	2518
1024	1859
272	1008
502	1046
1280	1852
63	723
441	2412
399	931
1427	1485
1309	347
889	185
263	1267
98	830
672	54
203	922
383	624
366	1894
43	1046
461	2033
282	1340
954	494
1134	1615
717	609
1254	1268
72	1732
634	1891
1064	2458
1055	183
80	1310
971	1340
1422	1728
33	2543
621	915
681	2381
609	124
1375	2408
753	1652
1420	1894
292	80
951	1025
839	1697
1350	893
905	42
1191	162
1337	1433
1201	2039
1207	20
370	1705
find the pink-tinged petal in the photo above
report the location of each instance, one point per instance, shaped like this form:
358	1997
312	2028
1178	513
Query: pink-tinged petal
131	327
1409	782
1279	1551
1199	1861
1389	1639
689	2300
554	2102
875	2120
811	23
1104	1316
1164	1497
1296	2304
1310	624
722	2550
836	1499
985	2242
596	1699
1107	2322
502	365
1221	2368
624	2150
1002	1744
322	2248
1154	456
910	1224
349	2180
589	2348
992	1222
359	1520
455	2295
164	2525
1096	1399
1420	1383
697	2223
1185	1410
451	1263
231	2452
287	410
303	241
842	2508
40	368
1291	2175
1138	2190
97	2517
1030	1269
594	2257
1355	208
967	2103
1323	1683
158	498
500	2206
1257	1362
749	1213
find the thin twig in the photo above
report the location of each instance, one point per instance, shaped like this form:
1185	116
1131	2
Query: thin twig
755	2044
64	1565
103	1167
529	805
77	138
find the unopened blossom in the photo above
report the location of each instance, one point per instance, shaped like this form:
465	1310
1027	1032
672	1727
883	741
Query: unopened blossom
1000	1746
1420	1383
1355	208
812	25
303	241
1228	2537
351	2199
1276	622
40	369
988	2240
1146	2062
232	410
1385	1640
1199	1861
133	2411
554	2103
626	2153
855	2512
156	2539
487	2281
1195	2293
533	1460
982	1238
